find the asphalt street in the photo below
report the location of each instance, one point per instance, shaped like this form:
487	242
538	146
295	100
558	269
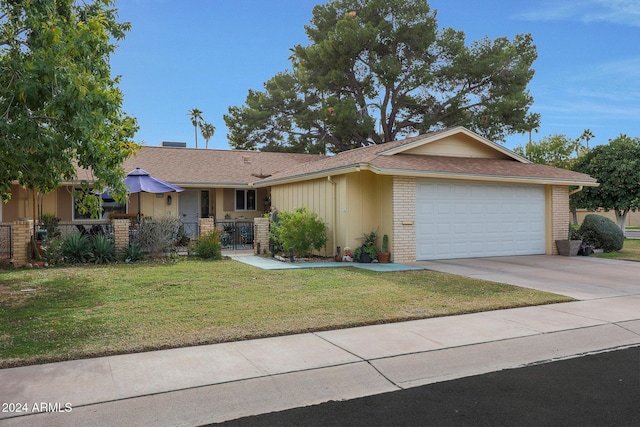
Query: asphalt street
593	390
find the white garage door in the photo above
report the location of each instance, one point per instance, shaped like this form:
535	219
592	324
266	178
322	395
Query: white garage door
456	220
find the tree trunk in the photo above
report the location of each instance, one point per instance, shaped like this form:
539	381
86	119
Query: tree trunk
621	219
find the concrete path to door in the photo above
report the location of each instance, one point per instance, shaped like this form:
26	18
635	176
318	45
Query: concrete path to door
583	278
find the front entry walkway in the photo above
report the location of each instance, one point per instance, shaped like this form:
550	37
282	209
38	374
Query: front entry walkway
272	264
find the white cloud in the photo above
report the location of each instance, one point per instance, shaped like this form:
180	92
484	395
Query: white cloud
623	12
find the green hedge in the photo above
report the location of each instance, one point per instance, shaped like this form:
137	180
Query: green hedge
602	233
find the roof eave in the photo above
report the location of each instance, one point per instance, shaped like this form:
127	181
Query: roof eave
427	174
312	175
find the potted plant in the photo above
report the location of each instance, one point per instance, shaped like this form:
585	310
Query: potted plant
571	246
368	251
384	255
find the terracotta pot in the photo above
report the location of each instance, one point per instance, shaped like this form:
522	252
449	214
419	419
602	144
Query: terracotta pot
383	257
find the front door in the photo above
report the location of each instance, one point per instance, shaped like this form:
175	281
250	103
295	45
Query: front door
189	209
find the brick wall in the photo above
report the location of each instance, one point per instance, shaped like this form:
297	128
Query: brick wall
206	226
560	215
404	219
261	234
120	233
22	232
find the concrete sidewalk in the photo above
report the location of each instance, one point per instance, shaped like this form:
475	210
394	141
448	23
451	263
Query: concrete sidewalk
199	385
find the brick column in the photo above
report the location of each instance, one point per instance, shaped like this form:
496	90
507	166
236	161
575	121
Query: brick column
22	232
206	226
560	215
261	233
403	245
120	233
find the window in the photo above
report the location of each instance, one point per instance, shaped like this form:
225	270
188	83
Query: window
204	204
108	206
245	200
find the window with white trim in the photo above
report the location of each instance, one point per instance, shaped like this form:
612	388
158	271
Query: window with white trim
245	200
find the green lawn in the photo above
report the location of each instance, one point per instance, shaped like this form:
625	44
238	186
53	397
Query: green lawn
76	312
630	251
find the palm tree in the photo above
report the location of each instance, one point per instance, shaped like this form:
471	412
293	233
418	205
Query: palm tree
532	123
587	135
207	130
196	120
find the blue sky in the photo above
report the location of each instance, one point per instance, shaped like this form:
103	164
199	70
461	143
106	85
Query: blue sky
208	53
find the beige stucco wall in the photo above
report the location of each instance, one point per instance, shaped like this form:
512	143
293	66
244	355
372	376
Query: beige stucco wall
318	195
633	218
368	202
155	205
369	207
223	203
350	205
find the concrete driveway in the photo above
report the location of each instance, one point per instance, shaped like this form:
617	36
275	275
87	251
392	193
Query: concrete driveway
583	278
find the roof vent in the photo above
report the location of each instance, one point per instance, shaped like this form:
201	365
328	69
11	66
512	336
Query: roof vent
246	159
174	144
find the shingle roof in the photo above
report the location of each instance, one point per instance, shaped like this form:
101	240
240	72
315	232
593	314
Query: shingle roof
202	167
186	166
374	158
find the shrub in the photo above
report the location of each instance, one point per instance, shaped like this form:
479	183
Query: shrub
76	248
158	235
209	246
133	253
52	251
368	248
104	250
300	230
602	233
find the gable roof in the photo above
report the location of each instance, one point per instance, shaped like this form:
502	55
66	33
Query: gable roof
397	158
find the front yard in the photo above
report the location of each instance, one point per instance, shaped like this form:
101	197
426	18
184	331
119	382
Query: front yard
77	312
630	251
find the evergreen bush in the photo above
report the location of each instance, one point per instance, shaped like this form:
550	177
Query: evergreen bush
301	230
209	246
602	233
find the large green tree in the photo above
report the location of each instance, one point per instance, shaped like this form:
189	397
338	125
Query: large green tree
554	150
375	70
616	166
59	104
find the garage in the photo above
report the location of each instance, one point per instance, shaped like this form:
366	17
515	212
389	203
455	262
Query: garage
468	220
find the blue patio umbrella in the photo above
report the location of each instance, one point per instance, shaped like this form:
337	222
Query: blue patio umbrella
141	181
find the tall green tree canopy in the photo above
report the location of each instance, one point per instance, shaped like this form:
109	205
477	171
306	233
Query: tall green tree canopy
554	150
375	70
616	166
59	104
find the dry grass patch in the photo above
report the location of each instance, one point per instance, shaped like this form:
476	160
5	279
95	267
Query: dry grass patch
88	311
